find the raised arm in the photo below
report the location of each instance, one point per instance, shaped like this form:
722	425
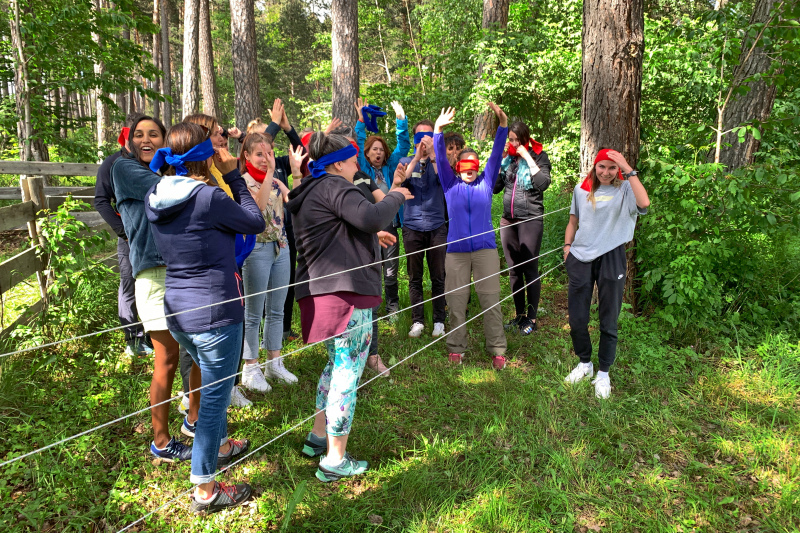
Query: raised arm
401	133
492	168
446	176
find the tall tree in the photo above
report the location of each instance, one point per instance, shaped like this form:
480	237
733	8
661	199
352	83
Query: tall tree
190	101
247	103
755	104
156	49
344	51
612	51
207	73
165	62
495	17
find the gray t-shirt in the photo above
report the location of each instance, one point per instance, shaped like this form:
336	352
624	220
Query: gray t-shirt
608	225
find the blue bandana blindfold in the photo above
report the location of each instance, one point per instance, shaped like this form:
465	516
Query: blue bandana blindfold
317	167
163	156
370	114
418	138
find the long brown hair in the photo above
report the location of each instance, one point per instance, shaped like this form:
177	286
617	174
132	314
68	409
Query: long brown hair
204	121
250	140
181	138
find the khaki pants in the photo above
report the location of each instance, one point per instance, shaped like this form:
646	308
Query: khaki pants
460	268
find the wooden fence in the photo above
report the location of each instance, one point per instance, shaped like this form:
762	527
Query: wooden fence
35	197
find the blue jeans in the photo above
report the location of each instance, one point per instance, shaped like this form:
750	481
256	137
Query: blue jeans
216	352
261	271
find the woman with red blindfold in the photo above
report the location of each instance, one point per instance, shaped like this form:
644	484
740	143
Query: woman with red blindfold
602	218
524	176
469	205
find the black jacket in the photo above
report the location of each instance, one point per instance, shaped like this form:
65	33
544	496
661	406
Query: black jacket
335	230
104	200
283	168
527	203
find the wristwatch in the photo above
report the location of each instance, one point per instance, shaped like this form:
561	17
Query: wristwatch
631	173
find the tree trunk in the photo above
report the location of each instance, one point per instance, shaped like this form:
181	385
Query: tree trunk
756	104
207	74
67	118
156	47
247	101
344	51
612	51
103	116
495	17
21	88
190	103
165	62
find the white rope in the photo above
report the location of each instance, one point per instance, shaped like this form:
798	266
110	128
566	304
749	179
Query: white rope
252	452
144	410
86	335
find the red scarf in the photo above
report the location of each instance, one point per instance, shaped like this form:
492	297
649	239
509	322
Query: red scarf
467	164
123	136
602	155
532	146
307	137
256	174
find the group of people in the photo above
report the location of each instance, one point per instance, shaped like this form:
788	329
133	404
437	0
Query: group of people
215	249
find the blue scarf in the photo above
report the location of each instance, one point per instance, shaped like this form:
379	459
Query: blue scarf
370	114
317	167
199	152
523	172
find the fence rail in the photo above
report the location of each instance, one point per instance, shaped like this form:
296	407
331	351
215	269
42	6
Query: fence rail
36	197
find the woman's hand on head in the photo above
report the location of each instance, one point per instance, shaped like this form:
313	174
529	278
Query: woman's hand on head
398	110
225	161
501	116
619	159
270	156
445	118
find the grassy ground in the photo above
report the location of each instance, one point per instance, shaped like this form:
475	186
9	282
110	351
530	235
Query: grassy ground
694	438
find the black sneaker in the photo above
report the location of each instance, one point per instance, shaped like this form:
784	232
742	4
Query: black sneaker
238	447
526	326
513	323
225	496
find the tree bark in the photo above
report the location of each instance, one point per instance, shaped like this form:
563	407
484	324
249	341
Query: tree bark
190	100
247	102
495	17
103	116
344	52
756	104
165	62
21	88
612	51
156	48
207	73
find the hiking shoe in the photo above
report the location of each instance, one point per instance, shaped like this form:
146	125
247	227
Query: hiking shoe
526	325
183	405
314	446
275	370
513	323
498	362
580	372
602	386
253	379
348	467
225	496
187	428
290	336
416	330
375	363
438	329
137	347
238	447
174	451
238	398
456	358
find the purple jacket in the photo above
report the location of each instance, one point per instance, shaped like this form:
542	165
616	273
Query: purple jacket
470	204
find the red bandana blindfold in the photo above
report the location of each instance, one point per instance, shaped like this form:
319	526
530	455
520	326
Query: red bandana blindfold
467	164
532	146
123	136
602	155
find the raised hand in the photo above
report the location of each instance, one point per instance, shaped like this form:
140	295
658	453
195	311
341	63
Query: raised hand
399	175
445	118
234	132
398	110
359	104
277	111
501	116
270	161
335	123
427	142
619	159
285	125
225	162
296	158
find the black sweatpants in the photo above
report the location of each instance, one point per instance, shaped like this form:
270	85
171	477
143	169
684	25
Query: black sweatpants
521	243
288	306
422	240
126	296
608	272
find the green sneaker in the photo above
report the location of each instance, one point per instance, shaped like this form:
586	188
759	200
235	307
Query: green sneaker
314	446
348	467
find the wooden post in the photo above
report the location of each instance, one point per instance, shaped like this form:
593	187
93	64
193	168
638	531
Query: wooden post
33	190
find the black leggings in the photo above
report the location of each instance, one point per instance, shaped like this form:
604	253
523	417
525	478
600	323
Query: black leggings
521	243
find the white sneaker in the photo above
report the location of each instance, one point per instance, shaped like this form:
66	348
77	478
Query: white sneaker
253	379
183	405
602	386
275	370
416	329
238	399
580	372
438	329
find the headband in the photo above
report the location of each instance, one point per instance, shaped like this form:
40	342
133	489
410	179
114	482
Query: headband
532	146
305	138
602	155
317	167
468	164
370	114
199	152
418	136
123	136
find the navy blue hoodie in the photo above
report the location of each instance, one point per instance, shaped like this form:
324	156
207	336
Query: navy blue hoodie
194	227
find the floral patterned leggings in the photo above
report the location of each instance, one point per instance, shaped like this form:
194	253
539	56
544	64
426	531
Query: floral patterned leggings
347	355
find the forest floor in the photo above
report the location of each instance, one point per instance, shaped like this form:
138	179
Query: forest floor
697	438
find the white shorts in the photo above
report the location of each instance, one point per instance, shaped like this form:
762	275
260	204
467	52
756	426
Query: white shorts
150	290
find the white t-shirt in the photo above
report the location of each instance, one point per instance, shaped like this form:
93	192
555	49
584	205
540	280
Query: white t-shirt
606	226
